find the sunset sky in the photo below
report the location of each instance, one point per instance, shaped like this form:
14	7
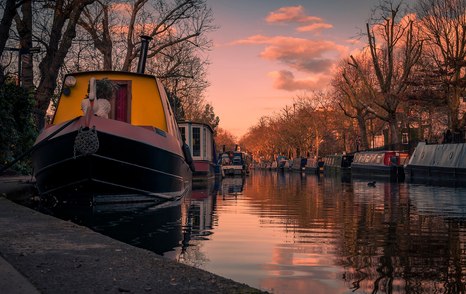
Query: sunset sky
266	52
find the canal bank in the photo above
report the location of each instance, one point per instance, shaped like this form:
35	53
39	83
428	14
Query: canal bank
42	254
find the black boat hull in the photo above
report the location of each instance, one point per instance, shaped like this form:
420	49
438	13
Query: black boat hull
121	165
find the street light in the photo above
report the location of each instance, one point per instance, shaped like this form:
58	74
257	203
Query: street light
22	51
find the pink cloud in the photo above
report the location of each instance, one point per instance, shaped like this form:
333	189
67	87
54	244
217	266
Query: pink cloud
285	80
314	56
314	27
296	14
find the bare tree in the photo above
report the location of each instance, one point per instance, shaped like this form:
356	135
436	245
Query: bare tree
57	40
352	95
24	28
9	13
393	56
96	21
444	22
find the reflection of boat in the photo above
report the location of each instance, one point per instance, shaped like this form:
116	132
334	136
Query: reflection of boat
136	150
447	202
386	164
439	163
200	138
232	186
157	228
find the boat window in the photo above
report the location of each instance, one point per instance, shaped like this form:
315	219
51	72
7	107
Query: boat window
196	141
379	158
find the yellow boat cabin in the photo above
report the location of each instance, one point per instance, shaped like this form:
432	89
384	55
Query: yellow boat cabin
137	99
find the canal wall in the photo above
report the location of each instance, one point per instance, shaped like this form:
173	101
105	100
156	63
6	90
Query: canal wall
42	254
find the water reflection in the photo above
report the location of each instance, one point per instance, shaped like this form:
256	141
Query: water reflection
298	233
232	186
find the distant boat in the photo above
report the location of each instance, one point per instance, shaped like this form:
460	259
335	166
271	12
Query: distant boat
439	163
379	164
298	164
338	163
234	163
314	165
126	148
200	138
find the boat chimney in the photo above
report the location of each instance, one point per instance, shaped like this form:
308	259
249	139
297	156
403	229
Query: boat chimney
143	53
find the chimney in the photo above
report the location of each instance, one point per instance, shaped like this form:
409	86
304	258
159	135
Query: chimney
143	54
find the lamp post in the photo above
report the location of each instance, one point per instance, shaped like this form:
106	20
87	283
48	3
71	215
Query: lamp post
21	52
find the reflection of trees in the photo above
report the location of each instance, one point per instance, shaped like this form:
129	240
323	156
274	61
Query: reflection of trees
376	235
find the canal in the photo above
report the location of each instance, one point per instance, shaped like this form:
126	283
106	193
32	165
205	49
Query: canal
297	233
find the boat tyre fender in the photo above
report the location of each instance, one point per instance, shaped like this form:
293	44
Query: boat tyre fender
188	157
86	142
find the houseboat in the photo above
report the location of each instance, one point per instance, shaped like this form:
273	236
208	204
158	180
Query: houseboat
314	165
200	138
298	164
382	164
234	163
113	138
438	163
338	163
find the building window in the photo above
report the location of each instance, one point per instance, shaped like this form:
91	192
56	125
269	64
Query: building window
196	142
404	138
204	143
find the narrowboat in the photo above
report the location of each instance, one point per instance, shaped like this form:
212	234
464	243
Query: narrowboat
200	138
338	163
314	165
438	163
113	138
383	164
298	164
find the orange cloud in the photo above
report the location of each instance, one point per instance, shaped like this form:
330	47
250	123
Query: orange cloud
285	80
314	56
296	14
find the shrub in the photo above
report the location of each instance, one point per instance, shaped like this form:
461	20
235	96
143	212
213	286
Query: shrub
17	128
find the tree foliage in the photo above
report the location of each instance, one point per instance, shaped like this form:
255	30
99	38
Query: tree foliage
17	125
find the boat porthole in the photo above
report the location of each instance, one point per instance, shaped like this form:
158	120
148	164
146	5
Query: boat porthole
422	155
451	155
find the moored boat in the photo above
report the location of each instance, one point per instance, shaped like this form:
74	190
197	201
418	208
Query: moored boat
235	163
338	163
113	137
438	163
384	164
299	164
314	165
200	138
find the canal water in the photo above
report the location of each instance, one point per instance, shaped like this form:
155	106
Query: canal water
298	233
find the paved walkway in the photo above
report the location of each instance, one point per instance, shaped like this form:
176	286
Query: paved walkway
43	254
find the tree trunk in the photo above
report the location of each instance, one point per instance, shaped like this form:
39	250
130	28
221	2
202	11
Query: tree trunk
393	130
56	52
24	26
364	143
5	24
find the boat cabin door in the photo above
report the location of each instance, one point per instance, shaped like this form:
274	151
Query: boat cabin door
121	108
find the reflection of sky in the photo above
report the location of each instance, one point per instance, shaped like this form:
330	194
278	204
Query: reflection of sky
265	52
289	233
